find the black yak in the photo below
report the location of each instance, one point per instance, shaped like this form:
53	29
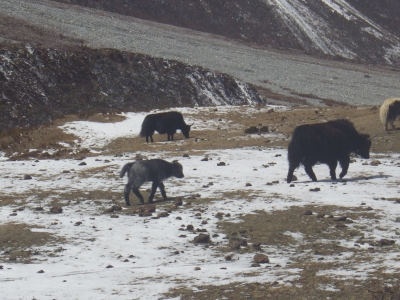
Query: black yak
167	122
389	111
326	143
155	170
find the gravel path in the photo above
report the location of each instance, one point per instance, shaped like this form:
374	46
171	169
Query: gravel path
281	72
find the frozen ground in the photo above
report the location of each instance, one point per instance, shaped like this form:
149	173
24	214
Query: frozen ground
132	257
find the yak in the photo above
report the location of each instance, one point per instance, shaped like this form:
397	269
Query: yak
154	170
389	111
167	122
326	143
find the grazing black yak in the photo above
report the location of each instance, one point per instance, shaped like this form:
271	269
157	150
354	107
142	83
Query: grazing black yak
326	143
155	170
389	111
167	122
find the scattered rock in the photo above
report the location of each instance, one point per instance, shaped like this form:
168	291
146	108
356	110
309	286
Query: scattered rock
219	215
109	267
397	219
66	171
228	257
41	272
294	178
202	238
189	227
291	185
185	155
57	209
83	164
248	184
317	189
340	219
340	225
114	216
375	163
308	212
78	223
197	268
39	208
163	214
113	208
27	177
261	259
257	246
385	242
221	164
204	159
320	216
13	214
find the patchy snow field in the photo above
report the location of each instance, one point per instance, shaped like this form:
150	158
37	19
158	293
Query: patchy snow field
133	257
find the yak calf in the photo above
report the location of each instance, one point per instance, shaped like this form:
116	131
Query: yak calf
326	143
155	170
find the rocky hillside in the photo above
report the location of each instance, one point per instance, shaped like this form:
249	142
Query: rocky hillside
40	84
364	30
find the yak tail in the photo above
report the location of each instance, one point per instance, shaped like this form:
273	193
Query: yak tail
125	169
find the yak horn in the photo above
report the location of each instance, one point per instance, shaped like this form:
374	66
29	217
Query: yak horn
373	137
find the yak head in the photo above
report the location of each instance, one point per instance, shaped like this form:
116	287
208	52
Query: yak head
364	145
185	130
177	169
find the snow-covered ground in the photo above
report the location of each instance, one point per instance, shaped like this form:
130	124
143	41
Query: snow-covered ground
132	257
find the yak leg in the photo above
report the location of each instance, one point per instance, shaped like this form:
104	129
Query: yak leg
138	194
332	169
290	173
309	171
162	190
127	189
344	163
153	191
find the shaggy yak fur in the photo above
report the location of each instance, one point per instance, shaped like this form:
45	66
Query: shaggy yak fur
154	170
168	122
389	111
326	143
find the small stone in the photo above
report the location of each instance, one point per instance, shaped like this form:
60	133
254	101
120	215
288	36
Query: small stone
248	184
257	246
340	219
228	257
221	164
308	212
114	216
320	216
163	214
375	163
219	215
385	242
185	155
83	164
292	185
397	219
197	268
78	223
27	177
261	259
109	267
57	209
204	159
41	272
189	227
202	238
317	189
